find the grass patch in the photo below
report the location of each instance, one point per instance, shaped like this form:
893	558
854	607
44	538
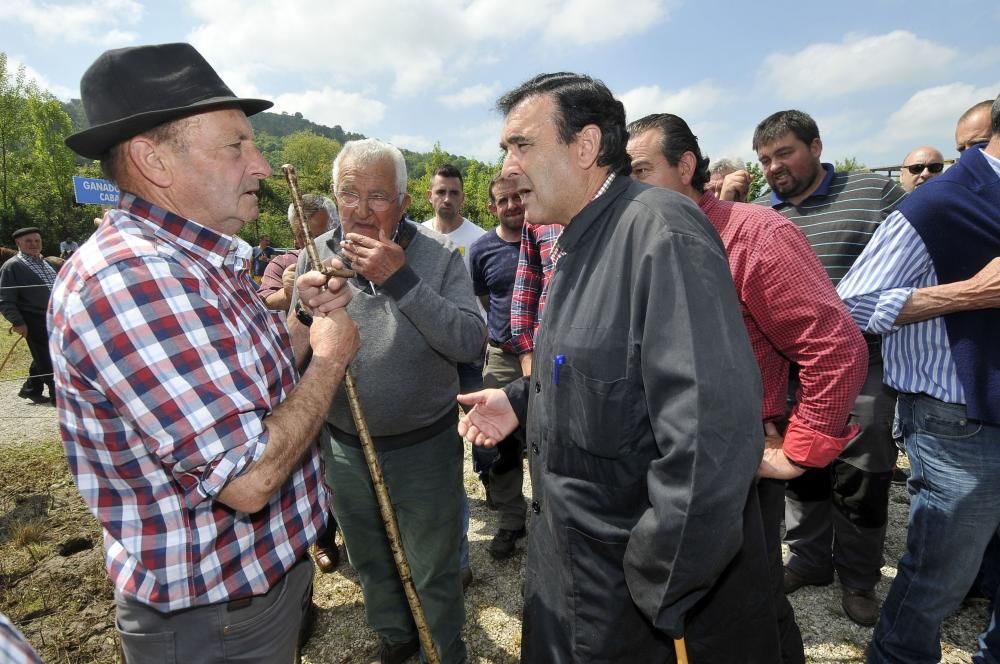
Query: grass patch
62	603
20	359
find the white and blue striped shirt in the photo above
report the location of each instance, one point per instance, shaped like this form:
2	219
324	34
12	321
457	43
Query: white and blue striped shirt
917	357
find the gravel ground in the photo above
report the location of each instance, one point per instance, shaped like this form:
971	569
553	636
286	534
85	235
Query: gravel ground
493	602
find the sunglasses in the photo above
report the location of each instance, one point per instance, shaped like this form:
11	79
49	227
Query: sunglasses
917	169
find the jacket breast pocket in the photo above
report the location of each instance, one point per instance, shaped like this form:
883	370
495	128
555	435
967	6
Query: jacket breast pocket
593	408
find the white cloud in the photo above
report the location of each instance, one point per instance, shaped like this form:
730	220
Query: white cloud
398	46
480	141
857	63
687	102
98	21
474	95
410	142
930	116
31	74
332	107
594	21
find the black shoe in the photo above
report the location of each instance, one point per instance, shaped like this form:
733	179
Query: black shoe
793	581
395	653
861	606
503	543
34	395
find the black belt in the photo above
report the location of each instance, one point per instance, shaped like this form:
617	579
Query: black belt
497	344
399	440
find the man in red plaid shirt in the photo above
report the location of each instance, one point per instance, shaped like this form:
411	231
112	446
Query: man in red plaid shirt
189	432
792	313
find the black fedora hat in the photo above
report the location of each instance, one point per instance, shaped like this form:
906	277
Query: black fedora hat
130	90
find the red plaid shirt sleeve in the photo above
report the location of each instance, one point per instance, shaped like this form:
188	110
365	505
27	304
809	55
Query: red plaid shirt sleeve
534	268
792	312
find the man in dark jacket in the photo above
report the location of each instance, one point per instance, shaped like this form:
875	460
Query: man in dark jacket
25	286
642	411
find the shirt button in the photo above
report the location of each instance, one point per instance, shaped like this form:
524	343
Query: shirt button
534	448
535	507
538	387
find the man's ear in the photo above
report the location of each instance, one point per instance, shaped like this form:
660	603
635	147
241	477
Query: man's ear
588	143
150	161
493	209
687	166
816	147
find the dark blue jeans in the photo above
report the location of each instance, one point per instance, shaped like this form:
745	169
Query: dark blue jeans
954	512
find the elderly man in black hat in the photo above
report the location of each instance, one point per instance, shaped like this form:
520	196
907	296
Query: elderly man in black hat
25	287
188	428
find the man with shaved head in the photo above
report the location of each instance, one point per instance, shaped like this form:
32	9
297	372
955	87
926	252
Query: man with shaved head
920	166
973	126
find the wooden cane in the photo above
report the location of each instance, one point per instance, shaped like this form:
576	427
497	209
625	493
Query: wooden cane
3	365
367	445
680	649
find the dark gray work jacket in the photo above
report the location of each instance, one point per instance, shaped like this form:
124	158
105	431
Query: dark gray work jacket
643	430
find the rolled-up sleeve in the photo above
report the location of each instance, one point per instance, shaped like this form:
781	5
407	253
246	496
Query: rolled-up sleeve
883	277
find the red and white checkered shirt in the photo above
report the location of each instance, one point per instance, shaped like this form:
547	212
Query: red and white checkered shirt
166	364
792	312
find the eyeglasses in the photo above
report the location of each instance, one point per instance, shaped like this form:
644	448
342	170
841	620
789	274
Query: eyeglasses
376	203
917	169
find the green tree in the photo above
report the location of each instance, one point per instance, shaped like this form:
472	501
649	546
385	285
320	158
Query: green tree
849	165
15	133
36	168
758	184
311	155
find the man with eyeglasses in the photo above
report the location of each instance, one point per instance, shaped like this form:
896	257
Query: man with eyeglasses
920	166
835	516
418	318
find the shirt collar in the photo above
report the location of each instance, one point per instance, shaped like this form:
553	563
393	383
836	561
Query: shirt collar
211	245
822	190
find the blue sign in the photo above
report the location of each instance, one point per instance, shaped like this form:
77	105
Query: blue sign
95	190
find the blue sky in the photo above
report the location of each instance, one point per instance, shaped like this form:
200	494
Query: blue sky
880	77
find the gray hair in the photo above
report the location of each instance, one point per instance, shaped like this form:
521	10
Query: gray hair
313	203
371	151
726	165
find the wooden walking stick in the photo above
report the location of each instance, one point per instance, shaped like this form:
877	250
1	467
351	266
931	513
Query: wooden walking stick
301	231
680	649
3	365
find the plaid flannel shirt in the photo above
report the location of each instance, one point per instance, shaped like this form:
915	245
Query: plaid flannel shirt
166	364
534	268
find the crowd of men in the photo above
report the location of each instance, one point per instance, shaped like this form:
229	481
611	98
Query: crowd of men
684	371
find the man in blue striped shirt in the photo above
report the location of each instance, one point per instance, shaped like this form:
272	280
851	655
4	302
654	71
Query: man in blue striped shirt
841	509
929	282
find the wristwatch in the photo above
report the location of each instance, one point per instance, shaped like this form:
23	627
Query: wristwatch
304	316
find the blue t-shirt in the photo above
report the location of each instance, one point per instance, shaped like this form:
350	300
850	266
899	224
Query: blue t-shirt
493	263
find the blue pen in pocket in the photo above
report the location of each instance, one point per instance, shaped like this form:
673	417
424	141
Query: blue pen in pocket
557	363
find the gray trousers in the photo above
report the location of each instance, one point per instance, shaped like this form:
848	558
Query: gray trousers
507	471
262	629
835	517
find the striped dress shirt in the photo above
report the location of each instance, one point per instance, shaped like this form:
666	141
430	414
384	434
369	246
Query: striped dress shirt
895	263
916	357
